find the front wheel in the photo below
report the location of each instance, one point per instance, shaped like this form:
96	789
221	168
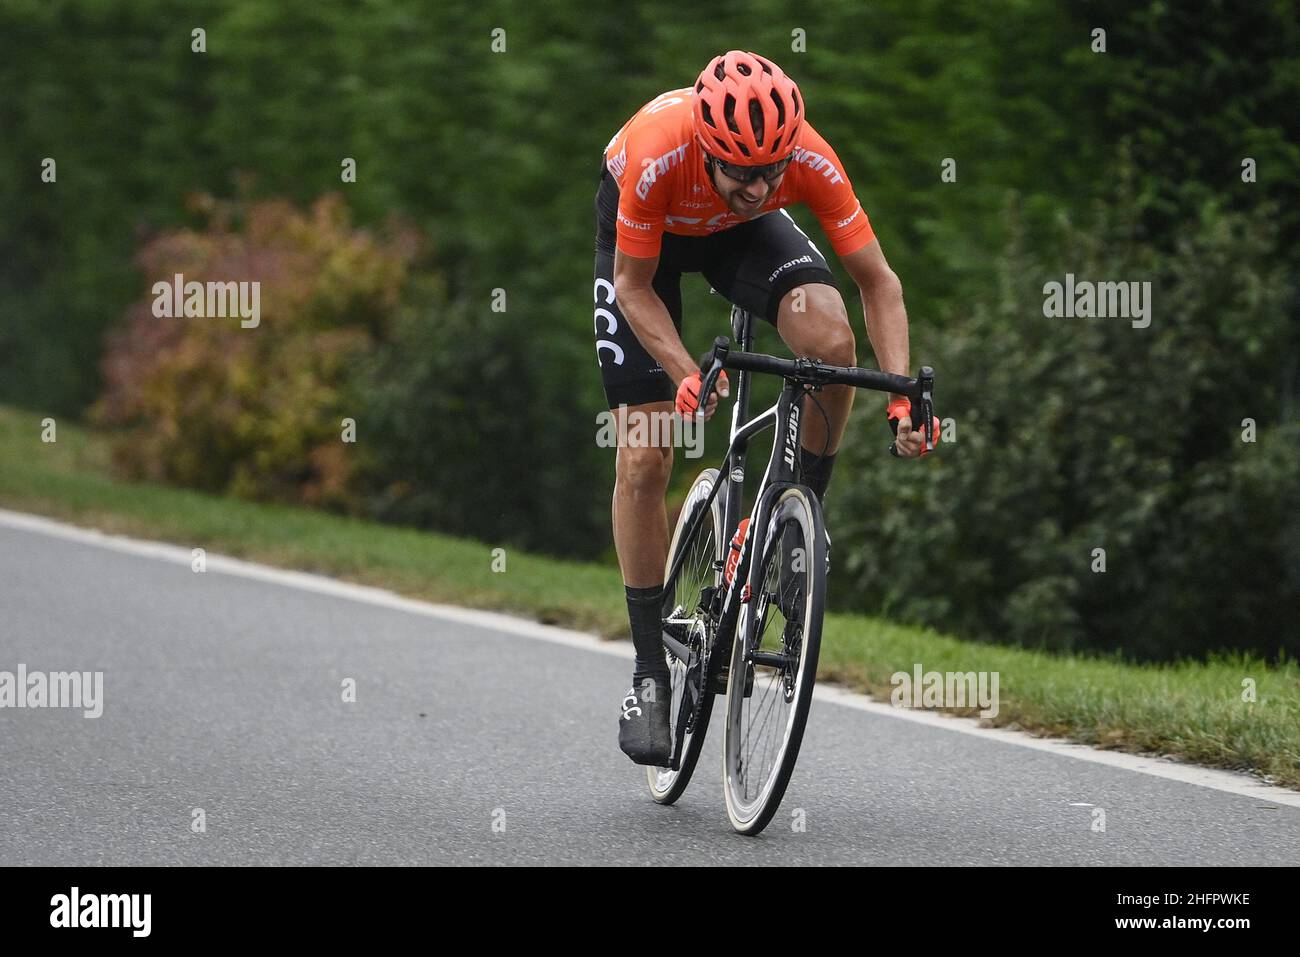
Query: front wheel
776	653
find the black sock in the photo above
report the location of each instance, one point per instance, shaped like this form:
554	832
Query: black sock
816	471
645	612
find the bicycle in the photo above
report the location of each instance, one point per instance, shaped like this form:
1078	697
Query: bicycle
762	618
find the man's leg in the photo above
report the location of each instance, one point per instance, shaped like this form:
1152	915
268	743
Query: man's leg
640	488
636	387
813	322
641	539
641	534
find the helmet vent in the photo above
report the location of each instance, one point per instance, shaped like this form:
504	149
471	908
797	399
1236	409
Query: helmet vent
756	121
708	113
729	113
780	110
743	69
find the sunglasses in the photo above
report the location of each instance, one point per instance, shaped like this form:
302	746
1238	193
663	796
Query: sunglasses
747	174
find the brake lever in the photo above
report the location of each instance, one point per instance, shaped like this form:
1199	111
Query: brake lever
925	400
711	365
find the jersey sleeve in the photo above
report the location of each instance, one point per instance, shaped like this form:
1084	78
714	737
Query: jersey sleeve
825	187
642	207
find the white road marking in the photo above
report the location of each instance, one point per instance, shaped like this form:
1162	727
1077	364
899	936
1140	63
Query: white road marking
1229	782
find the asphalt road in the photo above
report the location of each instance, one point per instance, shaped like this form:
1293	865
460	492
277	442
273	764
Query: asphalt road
467	744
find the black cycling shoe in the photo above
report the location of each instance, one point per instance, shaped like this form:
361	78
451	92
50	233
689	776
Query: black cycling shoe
643	729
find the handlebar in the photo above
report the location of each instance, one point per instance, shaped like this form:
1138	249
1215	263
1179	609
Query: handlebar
919	390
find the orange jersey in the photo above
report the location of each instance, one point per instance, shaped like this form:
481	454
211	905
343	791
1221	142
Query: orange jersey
663	185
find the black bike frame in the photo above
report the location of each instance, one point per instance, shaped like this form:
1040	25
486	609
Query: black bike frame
800	376
785	416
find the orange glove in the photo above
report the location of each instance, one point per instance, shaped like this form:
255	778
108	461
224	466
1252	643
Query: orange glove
902	408
688	393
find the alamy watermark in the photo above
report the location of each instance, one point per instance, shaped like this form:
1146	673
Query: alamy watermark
654	430
950	689
208	300
1084	299
54	689
128	911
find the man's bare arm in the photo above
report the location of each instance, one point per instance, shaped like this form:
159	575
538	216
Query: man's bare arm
882	306
886	318
647	314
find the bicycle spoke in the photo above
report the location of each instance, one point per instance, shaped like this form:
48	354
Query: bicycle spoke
763	729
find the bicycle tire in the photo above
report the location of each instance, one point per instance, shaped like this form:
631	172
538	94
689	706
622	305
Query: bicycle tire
750	804
667	785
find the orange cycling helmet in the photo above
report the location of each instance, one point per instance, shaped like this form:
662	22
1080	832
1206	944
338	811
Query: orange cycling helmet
747	111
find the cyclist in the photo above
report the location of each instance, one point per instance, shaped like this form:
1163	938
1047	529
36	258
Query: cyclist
697	181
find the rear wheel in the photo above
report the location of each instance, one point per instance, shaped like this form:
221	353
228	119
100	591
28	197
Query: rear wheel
689	627
778	646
